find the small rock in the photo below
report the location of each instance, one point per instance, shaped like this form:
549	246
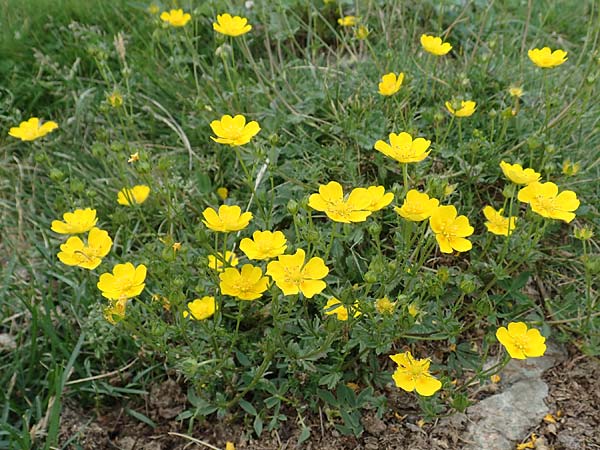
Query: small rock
373	425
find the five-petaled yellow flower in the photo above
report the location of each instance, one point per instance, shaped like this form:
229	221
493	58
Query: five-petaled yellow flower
450	230
403	148
334	306
546	58
176	17
293	276
201	308
546	201
413	375
31	129
385	306
348	21
247	284
467	108
136	195
390	83
497	223
125	281
76	222
264	245
417	206
330	200
518	175
520	342
231	26
234	131
217	262
75	253
434	45
229	218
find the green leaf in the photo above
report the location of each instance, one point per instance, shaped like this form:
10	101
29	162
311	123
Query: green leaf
247	406
141	417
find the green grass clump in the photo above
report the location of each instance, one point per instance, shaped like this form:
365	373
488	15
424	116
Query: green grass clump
120	82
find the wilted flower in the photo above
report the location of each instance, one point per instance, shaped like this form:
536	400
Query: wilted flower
498	224
417	206
403	148
201	308
264	245
520	342
515	91
135	157
334	306
385	306
518	175
176	246
247	284
362	32
31	129
217	262
76	222
434	45
125	281
233	130
175	17
546	58
545	200
75	253
222	193
583	234
330	200
136	195
231	25
293	276
570	168
390	83
450	230
413	374
467	108
229	218
115	311
348	21
115	99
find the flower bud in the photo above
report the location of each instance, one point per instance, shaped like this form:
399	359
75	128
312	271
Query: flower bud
57	175
583	233
468	285
374	229
292	207
273	139
370	277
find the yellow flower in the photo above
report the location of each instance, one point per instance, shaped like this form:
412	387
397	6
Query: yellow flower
334	306
229	218
75	253
115	99
434	45
222	192
378	198
450	230
216	262
249	284
233	130
229	446
176	246
518	175
293	276
385	306
413	309
529	444
330	200
135	157
348	21
467	108
76	222
362	33
115	311
520	342
495	378
515	91
201	308
264	245
231	26
545	200
125	281
136	195
175	17
31	129
413	374
390	84
497	224
546	58
570	168
403	148
417	206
